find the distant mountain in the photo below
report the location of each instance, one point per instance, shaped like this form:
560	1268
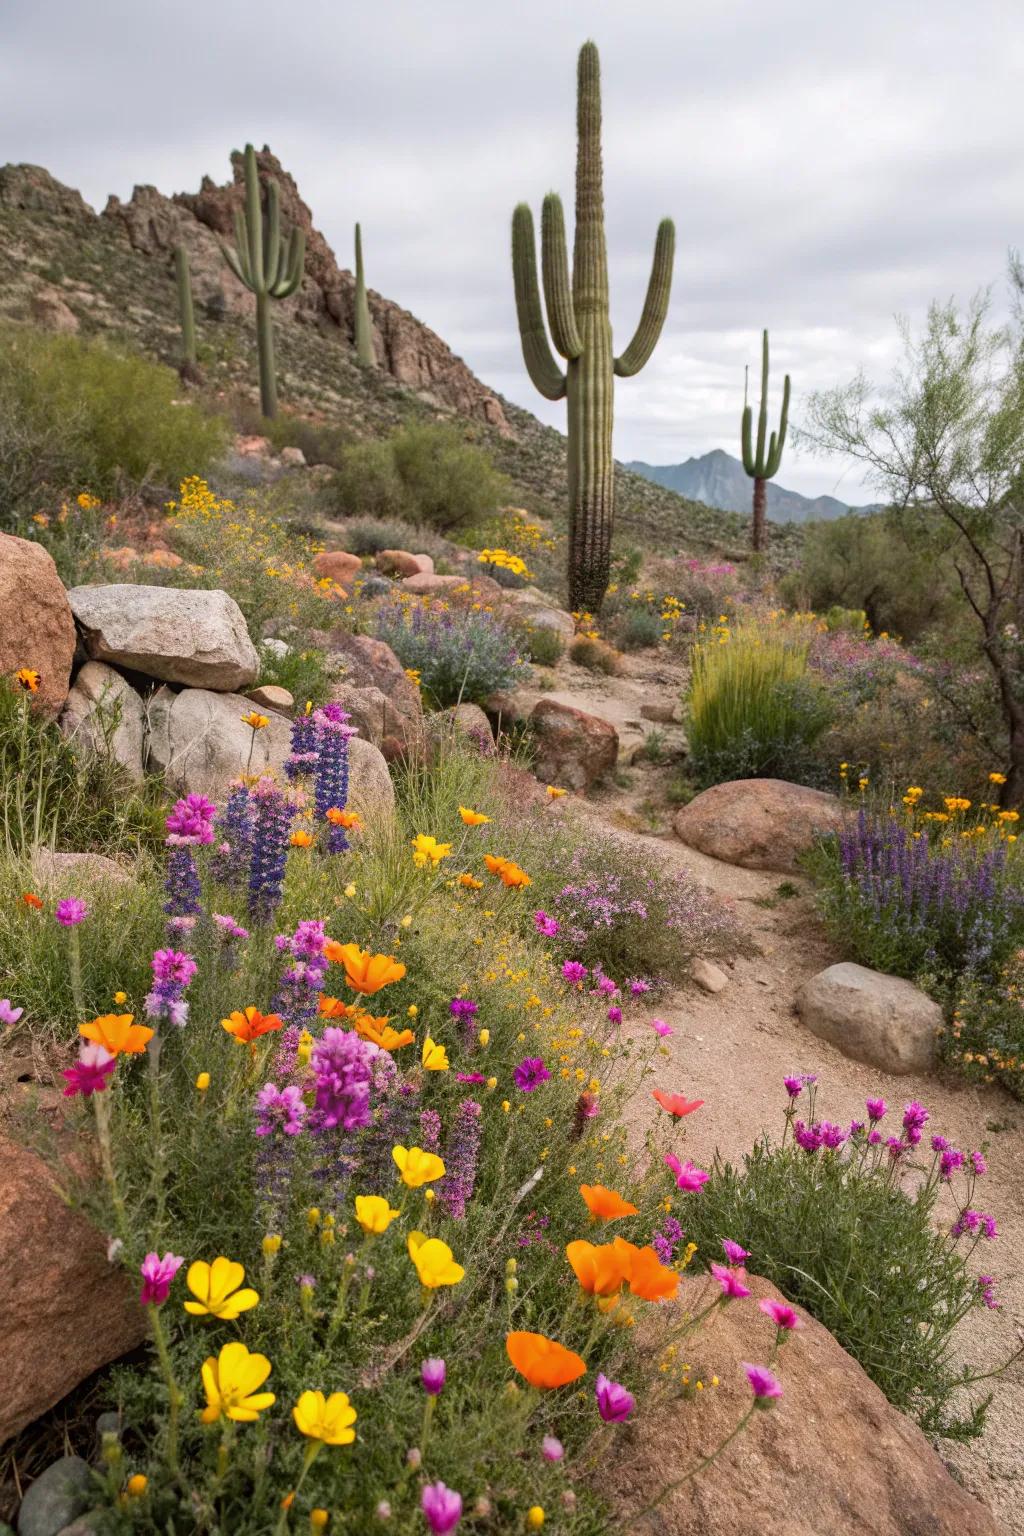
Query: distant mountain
719	480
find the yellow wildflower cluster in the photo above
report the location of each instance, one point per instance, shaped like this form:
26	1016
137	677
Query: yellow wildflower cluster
506	562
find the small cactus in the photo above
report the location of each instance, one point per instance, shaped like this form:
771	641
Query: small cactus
268	266
762	465
365	356
186	313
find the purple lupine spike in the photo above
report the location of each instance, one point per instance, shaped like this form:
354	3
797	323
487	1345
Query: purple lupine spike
302	758
272	814
461	1152
333	734
233	836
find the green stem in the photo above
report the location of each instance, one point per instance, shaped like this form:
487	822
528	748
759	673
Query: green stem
313	1450
102	1105
159	1171
174	1393
75	959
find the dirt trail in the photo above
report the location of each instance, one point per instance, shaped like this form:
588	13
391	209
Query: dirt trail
733	1049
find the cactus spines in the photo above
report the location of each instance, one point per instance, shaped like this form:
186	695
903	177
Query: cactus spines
186	313
761	464
269	267
577	316
365	355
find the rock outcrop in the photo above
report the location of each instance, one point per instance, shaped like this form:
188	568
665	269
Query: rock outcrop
198	742
881	1020
758	823
573	749
194	637
105	714
37	630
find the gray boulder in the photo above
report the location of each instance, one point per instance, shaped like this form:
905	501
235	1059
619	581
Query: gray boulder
880	1020
105	714
56	1497
193	637
198	742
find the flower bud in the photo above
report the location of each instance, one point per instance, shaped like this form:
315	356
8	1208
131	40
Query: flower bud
383	1510
271	1244
318	1519
510	1266
137	1485
202	1082
511	1285
484	1037
414	1458
111	1449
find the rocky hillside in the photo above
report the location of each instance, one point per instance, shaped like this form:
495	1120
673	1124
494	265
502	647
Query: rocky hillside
720	480
112	274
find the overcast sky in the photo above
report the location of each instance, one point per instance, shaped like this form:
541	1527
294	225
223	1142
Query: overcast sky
827	165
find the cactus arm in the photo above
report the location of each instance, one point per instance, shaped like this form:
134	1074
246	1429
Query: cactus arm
746	435
253	220
292	267
545	373
778	440
272	251
233	262
186	311
555	273
655	307
362	327
762	417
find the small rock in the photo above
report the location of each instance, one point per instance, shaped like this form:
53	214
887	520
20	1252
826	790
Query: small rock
105	714
427	584
574	749
338	564
662	713
292	456
881	1020
465	720
270	696
399	562
190	636
73	872
708	976
253	447
56	1497
277	647
49	310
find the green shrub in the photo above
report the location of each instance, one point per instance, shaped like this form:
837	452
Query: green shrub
640	629
77	416
851	1233
540	644
754	711
985	1037
428	474
459	656
369	535
303	671
595	655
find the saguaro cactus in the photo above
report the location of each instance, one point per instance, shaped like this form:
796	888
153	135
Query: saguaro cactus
761	466
186	313
365	356
267	266
581	331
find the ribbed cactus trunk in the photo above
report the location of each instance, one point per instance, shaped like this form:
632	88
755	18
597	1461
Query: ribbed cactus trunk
759	528
365	355
762	463
265	354
186	312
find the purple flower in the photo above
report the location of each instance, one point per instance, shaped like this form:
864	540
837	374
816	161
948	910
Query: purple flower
730	1282
191	822
552	1449
544	924
915	1118
614	1015
763	1384
794	1086
341	1063
978	1164
897	1148
432	1375
470	1077
280	1110
442	1508
234	831
832	1136
781	1314
939	1144
157	1274
949	1162
574	973
986	1284
332	736
8	1013
530	1073
173	969
638	986
614	1403
876	1109
806	1136
974	1221
605	986
91	1073
989	1228
70	912
272	814
461	1152
733	1252
463	1008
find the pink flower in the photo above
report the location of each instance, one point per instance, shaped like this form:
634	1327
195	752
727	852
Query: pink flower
432	1374
530	1073
552	1449
729	1280
157	1274
91	1072
688	1177
70	912
470	1077
781	1314
763	1384
614	1403
574	972
10	1015
615	1015
544	924
733	1252
442	1507
661	1028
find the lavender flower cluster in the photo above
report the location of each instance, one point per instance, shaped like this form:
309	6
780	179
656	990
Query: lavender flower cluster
461	656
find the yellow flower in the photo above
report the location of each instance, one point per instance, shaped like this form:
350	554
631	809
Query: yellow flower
216	1289
300	838
535	1517
472	818
318	1519
416	1166
202	1082
434	1261
427	850
271	1244
256	720
484	1037
554	793
997	778
349	891
329	1419
232	1381
120	997
117	1033
136	1485
492	1083
435	1057
374	1213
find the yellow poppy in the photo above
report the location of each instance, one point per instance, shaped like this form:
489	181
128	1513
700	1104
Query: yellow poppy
254	719
434	1261
216	1289
374	1213
472	818
435	1057
231	1381
428	851
416	1166
329	1419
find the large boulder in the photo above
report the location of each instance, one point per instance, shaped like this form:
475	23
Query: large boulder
373	672
832	1455
193	637
573	749
105	715
370	790
198	741
758	823
531	608
880	1020
427	584
53	1275
36	627
339	565
399	562
396	732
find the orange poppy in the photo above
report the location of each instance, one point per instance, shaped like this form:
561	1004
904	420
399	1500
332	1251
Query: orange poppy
117	1033
604	1204
364	972
544	1362
334	1008
300	838
494	863
379	1032
644	1273
471	882
597	1267
675	1103
347	819
248	1024
32	901
508	872
28	679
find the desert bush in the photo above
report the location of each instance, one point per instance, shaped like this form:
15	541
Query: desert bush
754	709
845	1222
458	655
304	671
640	629
595	654
425	474
984	1039
369	535
539	644
705	588
76	416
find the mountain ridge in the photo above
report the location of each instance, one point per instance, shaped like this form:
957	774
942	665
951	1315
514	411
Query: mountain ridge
718	479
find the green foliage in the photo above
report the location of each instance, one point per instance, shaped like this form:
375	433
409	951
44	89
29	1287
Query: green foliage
76	416
540	644
363	328
641	628
304	671
421	474
369	535
186	312
854	1238
754	711
460	656
985	1037
577	311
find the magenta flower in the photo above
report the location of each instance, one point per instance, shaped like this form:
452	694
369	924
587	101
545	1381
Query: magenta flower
614	1015
157	1274
781	1314
432	1374
638	986
544	924
915	1118
940	1144
806	1136
574	973
986	1285
614	1403
10	1015
661	1028
949	1162
733	1252
191	822
463	1008
729	1279
794	1086
978	1163
90	1073
764	1385
530	1073
70	912
876	1109
174	965
470	1077
689	1178
442	1507
280	1109
551	1448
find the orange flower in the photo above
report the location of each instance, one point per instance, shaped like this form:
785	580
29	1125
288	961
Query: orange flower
300	838
555	794
644	1273
604	1203
249	1024
508	872
675	1103
379	1032
334	1008
471	882
472	818
31	901
543	1361
597	1267
26	678
494	864
364	972
116	1033
347	819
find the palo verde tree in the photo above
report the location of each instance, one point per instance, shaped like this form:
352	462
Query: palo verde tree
763	463
577	313
268	266
945	444
365	356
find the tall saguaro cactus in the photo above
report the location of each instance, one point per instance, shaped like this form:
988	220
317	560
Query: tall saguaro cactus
577	313
365	355
762	465
269	267
186	313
